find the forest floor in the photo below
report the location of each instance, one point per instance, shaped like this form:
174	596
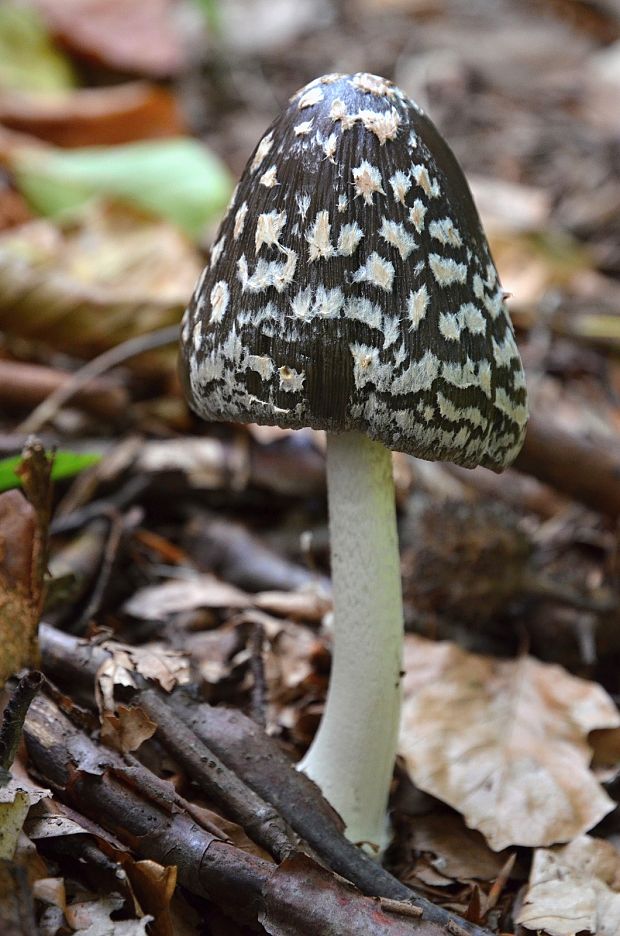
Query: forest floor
172	582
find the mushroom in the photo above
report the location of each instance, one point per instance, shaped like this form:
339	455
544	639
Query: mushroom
351	289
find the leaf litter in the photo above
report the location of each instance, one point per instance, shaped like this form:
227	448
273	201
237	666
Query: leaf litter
217	573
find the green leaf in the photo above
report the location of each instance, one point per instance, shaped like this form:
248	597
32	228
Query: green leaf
28	60
178	179
66	465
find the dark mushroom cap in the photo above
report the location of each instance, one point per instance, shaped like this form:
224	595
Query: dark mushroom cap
351	287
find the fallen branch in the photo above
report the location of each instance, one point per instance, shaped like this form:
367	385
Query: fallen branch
584	470
258	761
249	889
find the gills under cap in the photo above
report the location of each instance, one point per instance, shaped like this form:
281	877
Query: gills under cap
351	287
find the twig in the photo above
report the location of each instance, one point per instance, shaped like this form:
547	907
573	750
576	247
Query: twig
95	368
246	887
257	668
258	818
256	759
13	719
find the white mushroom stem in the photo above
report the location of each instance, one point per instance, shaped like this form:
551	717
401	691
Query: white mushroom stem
352	756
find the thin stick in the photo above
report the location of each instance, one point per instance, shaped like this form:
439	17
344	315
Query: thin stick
13	720
95	368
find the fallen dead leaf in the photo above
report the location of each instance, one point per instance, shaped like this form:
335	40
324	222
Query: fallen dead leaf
23	538
127	729
504	742
135	37
94	116
108	275
460	853
94	918
16	798
166	667
574	889
157	602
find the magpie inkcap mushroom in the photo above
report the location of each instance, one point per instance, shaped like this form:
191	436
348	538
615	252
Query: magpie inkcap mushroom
351	289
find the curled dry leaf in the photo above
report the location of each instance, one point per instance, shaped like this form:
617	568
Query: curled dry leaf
106	276
574	889
166	667
126	730
157	602
122	34
23	539
94	918
16	798
504	742
136	110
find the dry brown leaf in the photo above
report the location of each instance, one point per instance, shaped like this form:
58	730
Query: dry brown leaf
460	853
504	742
304	604
166	667
23	542
16	798
127	730
574	889
94	116
153	885
93	918
134	37
156	602
108	275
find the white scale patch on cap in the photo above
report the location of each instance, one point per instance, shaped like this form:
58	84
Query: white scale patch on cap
263	148
269	178
418	376
373	84
516	412
506	352
429	186
303	128
240	220
401	183
220	296
343	201
457	413
416	215
349	237
290	379
445	232
367	181
262	364
325	303
461	375
417	304
376	271
338	113
216	251
310	98
397	235
329	146
384	124
268	229
279	275
362	309
451	324
447	271
412	140
318	237
303	203
367	367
